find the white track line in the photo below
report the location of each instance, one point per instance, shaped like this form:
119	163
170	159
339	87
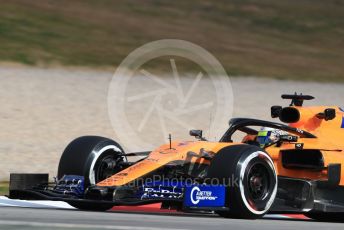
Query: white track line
4	201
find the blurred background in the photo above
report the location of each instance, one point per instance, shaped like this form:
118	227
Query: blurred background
285	39
57	59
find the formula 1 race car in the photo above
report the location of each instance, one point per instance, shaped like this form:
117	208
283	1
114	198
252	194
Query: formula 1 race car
271	168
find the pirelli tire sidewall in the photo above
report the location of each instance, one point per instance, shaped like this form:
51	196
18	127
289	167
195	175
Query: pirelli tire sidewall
248	160
233	164
82	155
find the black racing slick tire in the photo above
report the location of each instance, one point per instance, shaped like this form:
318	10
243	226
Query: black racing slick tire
250	176
95	158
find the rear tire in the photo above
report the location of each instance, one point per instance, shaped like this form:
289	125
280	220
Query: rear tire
95	158
249	173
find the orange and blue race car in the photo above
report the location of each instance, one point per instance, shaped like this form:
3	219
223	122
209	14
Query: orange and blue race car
257	167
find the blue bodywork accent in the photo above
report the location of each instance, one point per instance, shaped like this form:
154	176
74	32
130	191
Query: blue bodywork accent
71	185
341	109
205	196
162	190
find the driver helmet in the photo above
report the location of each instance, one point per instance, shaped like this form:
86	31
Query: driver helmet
267	136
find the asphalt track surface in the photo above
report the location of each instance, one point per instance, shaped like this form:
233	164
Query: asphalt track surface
28	219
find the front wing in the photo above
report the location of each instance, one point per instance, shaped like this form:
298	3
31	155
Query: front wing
294	195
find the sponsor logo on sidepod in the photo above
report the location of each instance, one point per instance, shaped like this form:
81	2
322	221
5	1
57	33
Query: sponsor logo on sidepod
197	195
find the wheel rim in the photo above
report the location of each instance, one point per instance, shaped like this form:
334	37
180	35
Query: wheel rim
107	166
109	149
258	182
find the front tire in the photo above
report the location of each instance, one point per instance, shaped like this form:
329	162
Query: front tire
95	158
253	180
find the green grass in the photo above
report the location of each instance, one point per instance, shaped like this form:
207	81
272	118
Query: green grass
297	39
3	188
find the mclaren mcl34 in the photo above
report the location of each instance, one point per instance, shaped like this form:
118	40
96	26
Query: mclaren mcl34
257	167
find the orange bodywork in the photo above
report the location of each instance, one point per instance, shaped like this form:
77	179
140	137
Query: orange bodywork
162	156
330	141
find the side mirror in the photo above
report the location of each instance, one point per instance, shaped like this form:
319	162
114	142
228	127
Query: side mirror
328	114
197	133
276	111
